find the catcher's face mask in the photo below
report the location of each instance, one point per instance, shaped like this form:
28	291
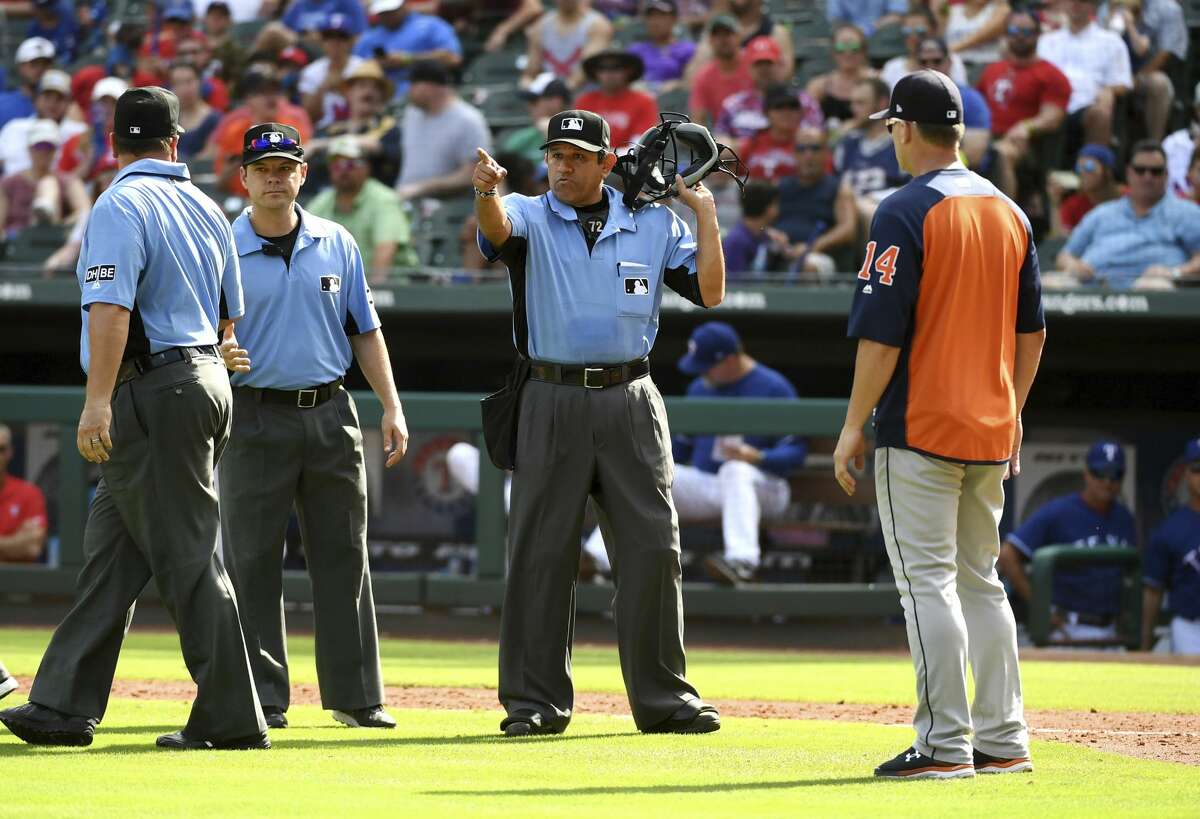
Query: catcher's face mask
676	146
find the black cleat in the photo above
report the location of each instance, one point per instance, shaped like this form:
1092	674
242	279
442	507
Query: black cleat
179	741
39	725
274	717
912	764
373	716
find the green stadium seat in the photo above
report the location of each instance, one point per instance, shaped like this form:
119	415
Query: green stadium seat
676	100
1048	250
503	107
885	43
492	69
32	246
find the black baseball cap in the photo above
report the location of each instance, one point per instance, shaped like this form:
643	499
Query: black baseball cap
928	97
147	113
271	139
583	129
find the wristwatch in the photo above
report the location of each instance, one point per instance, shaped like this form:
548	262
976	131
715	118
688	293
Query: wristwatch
486	194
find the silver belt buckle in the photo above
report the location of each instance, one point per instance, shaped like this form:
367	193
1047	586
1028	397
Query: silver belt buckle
306	399
587	381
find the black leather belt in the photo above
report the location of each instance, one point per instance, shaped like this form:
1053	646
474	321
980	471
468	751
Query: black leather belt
594	378
304	399
131	368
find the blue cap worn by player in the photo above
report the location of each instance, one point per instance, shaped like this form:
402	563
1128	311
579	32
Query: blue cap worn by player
1106	459
710	344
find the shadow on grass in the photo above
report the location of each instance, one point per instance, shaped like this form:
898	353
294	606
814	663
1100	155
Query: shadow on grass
379	740
715	787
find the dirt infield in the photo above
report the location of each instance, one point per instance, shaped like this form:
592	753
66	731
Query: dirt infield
1167	737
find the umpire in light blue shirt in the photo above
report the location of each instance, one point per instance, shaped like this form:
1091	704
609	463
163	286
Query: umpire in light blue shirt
296	439
587	275
159	275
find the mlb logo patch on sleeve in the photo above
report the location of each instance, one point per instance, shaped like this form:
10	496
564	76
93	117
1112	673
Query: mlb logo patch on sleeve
331	284
637	287
100	273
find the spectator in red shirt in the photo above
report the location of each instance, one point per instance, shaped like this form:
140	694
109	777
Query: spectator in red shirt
1027	97
629	113
159	47
742	115
1097	170
89	154
22	511
721	77
771	153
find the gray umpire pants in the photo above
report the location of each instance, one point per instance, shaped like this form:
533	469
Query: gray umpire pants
281	455
612	444
939	522
155	515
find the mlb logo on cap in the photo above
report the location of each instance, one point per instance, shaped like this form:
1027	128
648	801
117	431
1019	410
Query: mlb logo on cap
135	129
572	124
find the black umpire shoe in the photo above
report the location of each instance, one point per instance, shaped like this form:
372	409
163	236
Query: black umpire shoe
39	725
179	741
728	572
526	722
695	717
8	685
373	716
912	764
274	717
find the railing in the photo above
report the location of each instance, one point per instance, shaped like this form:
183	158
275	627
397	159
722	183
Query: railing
441	411
1048	560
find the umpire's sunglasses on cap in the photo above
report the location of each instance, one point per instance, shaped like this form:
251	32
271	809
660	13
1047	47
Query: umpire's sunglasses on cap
262	143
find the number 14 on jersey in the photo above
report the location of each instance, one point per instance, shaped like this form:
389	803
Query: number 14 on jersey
885	265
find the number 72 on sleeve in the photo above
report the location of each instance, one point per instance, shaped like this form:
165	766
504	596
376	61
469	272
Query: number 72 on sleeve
885	265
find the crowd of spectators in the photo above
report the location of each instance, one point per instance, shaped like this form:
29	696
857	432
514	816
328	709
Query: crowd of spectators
1081	111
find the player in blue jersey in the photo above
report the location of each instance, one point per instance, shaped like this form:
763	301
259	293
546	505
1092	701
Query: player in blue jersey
1172	564
739	479
1086	600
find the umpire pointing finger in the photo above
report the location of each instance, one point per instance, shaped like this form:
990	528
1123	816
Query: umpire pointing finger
587	274
296	438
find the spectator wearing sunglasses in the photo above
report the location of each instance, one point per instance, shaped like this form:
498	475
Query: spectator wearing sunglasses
1027	97
1172	564
1145	240
868	15
850	66
919	23
1086	600
816	210
1097	172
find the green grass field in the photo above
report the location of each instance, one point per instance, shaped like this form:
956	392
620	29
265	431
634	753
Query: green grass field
454	763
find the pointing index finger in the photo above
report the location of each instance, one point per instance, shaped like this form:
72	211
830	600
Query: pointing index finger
483	155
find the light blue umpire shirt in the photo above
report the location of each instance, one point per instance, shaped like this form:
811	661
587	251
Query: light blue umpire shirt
156	245
575	307
301	314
